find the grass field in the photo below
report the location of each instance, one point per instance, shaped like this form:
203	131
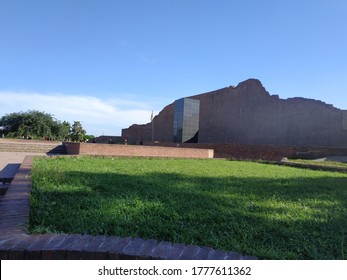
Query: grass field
269	211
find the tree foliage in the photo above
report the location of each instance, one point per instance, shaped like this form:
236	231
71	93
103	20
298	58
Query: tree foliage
77	132
39	125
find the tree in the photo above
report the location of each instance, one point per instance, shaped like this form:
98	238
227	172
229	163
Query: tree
30	124
62	130
38	125
77	132
88	138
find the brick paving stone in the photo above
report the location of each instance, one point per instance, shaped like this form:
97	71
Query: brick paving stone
47	250
250	258
60	252
163	249
16	224
17	252
8	204
13	221
6	235
34	251
8	243
102	252
189	252
234	256
74	252
175	252
13	212
146	250
115	251
88	252
11	239
218	255
3	189
134	247
203	253
3	253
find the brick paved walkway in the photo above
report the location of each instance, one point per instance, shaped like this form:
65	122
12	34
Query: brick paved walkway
16	243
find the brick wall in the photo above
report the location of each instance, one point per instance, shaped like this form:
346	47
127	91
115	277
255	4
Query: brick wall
72	148
234	151
344	120
262	152
137	150
248	114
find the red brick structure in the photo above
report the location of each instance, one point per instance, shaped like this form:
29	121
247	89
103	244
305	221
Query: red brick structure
248	115
136	150
262	152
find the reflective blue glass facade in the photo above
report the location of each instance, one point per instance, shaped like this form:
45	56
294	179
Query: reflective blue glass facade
186	120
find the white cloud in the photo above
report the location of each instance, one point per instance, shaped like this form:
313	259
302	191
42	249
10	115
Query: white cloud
98	116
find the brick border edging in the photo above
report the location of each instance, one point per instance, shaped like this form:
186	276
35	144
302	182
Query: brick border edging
16	243
313	166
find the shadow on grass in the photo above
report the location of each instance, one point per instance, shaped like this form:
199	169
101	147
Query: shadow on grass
302	218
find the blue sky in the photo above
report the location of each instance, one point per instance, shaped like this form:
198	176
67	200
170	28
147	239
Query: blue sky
109	63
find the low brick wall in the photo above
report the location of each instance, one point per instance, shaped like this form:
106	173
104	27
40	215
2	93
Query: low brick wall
72	148
30	146
16	243
314	166
234	151
136	150
261	152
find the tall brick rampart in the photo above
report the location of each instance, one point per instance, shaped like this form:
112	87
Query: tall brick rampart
248	114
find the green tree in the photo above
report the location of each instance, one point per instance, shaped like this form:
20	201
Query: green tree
10	123
88	138
61	130
30	124
77	132
36	125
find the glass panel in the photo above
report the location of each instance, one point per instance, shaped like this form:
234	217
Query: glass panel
186	120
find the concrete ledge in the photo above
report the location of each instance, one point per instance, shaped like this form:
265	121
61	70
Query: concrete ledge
16	243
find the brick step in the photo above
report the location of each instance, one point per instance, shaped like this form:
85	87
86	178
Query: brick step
33	148
3	190
8	172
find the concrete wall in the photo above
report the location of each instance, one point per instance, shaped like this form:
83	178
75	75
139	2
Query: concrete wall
248	114
137	151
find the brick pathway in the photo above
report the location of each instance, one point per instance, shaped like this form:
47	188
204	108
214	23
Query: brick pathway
16	243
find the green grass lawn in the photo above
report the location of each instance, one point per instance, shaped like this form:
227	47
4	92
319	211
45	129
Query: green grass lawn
269	211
